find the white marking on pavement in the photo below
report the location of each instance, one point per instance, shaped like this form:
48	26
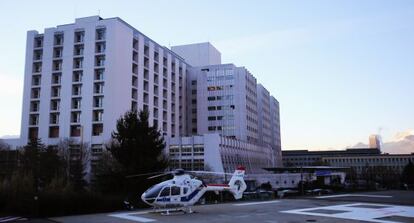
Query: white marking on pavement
130	216
361	213
8	219
354	195
254	203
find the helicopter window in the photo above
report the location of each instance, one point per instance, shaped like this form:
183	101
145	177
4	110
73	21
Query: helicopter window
185	190
175	191
154	190
165	192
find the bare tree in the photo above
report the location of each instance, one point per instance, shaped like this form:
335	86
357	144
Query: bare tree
76	157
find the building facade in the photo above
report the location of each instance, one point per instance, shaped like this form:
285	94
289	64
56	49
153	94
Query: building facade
81	77
394	162
222	101
297	158
215	152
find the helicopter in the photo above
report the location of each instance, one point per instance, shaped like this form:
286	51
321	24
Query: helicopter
184	190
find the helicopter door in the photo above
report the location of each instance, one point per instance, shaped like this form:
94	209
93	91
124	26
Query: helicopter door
175	194
164	195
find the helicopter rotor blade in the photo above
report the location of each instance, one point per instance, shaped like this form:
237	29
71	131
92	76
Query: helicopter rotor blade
159	175
209	172
143	174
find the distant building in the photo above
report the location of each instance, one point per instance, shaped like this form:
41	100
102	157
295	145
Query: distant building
297	158
375	141
394	162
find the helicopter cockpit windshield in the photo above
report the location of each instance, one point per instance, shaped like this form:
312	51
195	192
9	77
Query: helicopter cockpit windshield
155	190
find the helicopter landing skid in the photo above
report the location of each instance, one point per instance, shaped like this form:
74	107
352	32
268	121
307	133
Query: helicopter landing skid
175	211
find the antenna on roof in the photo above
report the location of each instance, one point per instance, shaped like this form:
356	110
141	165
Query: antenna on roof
99	12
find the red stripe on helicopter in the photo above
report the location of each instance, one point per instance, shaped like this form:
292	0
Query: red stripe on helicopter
218	185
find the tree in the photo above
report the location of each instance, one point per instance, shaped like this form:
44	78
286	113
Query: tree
40	162
4	145
408	174
75	157
137	147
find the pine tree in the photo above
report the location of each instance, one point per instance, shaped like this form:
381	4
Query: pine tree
408	174
137	147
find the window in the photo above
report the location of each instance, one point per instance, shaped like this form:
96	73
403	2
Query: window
97	116
193	82
186	151
54	105
211	108
37	55
33	132
76	103
76	90
212	118
77	63
99	74
75	117
79	36
57	65
77	76
33	119
165	192
37	67
78	50
75	130
56	78
97	129
34	106
198	150
55	92
211	98
211	128
54	132
98	88
100	47
58	39
100	34
54	118
100	61
36	80
97	102
175	191
38	42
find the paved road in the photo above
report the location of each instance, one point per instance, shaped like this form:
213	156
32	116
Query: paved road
382	207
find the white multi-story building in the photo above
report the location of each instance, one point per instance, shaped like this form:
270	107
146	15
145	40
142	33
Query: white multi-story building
215	152
81	77
222	101
275	131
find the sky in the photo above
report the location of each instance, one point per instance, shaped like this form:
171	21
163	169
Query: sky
341	70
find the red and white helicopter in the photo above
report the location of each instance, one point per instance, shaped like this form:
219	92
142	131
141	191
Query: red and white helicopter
184	190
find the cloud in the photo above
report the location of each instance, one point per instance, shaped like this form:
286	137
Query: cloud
402	135
403	143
